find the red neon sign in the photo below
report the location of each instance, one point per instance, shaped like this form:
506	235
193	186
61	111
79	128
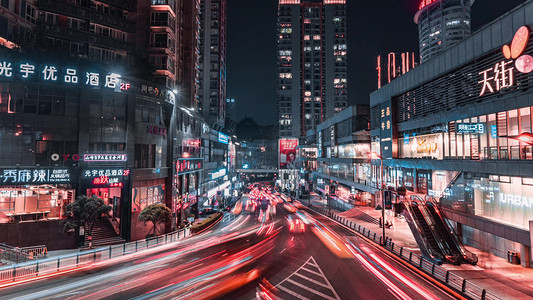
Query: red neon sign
425	3
125	86
101	180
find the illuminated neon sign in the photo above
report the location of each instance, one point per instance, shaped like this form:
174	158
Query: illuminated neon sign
422	146
222	138
35	176
502	74
105	157
471	128
105	180
105	172
425	3
67	75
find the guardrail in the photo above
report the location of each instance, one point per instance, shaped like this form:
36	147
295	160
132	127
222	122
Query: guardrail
441	274
71	261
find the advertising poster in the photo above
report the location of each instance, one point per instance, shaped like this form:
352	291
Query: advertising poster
287	153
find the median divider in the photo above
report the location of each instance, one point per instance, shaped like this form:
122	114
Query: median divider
66	262
449	279
206	223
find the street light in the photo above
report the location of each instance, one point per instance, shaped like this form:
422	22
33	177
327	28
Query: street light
374	155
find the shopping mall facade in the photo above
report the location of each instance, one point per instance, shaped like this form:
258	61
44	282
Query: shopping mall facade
458	128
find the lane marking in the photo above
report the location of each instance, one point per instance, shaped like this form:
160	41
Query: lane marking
311	271
286	290
312	280
310	289
310	262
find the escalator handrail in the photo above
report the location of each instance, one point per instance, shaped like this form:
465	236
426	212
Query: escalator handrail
467	255
447	251
437	256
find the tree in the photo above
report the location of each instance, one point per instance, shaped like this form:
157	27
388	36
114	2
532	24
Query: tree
401	190
155	213
85	210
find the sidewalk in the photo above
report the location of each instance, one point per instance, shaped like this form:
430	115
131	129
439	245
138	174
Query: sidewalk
492	273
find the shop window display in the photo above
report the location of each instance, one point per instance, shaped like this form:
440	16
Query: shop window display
33	203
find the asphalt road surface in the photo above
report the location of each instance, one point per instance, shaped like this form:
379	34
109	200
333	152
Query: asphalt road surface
233	259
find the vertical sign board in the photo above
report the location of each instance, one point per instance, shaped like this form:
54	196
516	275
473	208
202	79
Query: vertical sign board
386	129
287	153
319	143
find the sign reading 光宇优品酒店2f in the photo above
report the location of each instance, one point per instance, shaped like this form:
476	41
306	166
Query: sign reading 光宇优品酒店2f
56	73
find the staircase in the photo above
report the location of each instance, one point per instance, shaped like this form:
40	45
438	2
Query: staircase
103	234
360	215
425	228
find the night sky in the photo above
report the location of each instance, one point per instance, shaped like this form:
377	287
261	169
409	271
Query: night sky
374	27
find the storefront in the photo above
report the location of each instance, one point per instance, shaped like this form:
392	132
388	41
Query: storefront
35	193
185	187
503	199
111	185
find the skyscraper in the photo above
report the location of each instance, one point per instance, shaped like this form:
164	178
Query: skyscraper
212	92
312	63
441	24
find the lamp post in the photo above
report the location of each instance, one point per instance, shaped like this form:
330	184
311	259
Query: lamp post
374	155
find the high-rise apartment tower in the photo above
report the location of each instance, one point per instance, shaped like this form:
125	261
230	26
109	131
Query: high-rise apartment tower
212	92
312	63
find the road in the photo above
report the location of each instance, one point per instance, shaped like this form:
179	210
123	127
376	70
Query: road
325	262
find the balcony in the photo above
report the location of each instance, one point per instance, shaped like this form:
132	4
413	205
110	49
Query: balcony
87	13
86	37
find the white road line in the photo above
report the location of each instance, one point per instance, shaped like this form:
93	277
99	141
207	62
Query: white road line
325	278
312	280
310	289
311	271
286	290
311	262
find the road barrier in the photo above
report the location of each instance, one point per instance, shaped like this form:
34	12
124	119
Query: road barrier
50	265
446	277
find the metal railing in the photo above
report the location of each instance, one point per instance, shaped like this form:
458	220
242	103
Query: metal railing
71	261
446	277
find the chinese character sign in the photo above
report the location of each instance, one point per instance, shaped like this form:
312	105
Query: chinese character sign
502	74
287	153
68	75
34	176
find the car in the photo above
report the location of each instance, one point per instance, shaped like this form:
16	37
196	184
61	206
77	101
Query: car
296	225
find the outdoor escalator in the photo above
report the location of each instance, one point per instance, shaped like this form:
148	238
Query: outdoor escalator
421	232
438	240
425	228
449	236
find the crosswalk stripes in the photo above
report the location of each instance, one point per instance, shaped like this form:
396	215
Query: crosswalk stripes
308	282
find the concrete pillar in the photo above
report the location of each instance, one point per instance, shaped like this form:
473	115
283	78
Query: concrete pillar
459	229
529	253
525	258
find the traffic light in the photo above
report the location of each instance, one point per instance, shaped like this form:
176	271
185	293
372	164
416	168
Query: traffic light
332	190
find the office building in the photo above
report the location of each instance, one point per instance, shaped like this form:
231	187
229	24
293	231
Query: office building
441	24
312	63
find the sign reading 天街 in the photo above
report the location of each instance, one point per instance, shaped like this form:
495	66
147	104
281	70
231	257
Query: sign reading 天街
502	75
